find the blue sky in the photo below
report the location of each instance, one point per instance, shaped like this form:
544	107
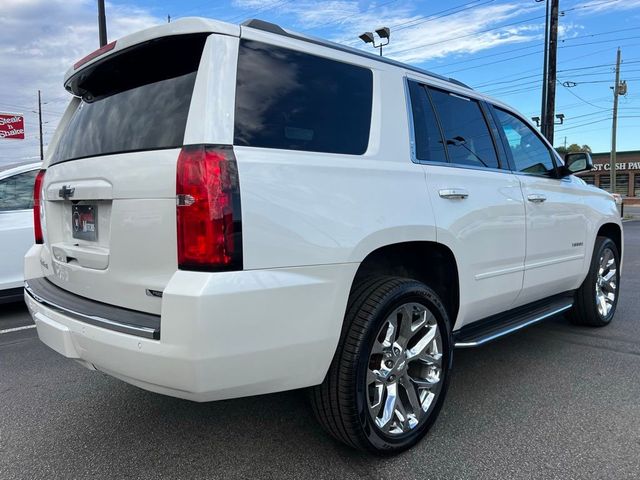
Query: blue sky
493	45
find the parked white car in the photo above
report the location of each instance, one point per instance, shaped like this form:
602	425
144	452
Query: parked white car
235	210
16	226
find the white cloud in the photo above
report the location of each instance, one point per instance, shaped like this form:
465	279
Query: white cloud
468	33
596	6
39	40
414	38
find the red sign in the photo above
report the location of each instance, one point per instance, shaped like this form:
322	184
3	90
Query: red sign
11	126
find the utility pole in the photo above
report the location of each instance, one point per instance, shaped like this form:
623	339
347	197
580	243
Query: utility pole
543	107
40	122
549	118
617	90
102	23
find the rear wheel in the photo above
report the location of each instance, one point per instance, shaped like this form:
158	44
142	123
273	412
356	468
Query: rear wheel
389	376
597	298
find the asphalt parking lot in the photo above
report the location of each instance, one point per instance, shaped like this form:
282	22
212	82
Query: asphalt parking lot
554	401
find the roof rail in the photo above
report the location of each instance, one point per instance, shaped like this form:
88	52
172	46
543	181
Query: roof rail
278	30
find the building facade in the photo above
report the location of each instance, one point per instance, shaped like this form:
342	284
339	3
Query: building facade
627	174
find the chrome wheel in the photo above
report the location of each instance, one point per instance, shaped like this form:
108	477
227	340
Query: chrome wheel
606	282
404	374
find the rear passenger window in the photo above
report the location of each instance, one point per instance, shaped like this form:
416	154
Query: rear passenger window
295	101
529	153
465	130
428	140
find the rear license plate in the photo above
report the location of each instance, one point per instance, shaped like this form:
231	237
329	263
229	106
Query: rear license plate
84	223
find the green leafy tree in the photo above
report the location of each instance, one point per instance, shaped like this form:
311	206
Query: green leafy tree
574	147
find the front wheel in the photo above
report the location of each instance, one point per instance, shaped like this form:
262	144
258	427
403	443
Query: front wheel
597	298
389	376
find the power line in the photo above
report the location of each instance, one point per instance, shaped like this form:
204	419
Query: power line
582	99
584	124
268	7
605	72
508	89
495	81
538	46
605	81
511	50
437	15
573	117
598	34
493	63
27	109
580	7
622	127
468	35
574	105
604	119
633	60
535	53
434	16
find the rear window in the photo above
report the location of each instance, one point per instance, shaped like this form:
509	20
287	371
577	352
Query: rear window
291	100
137	99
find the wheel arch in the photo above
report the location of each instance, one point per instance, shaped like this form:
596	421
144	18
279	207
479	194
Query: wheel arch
607	228
427	261
614	232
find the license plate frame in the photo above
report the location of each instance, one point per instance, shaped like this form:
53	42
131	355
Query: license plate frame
84	221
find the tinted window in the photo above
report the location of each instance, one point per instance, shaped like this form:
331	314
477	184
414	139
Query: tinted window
429	145
16	192
465	130
529	153
295	101
136	100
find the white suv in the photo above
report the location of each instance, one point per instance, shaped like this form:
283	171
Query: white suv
16	225
234	210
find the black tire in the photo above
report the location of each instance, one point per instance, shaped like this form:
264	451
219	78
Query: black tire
585	309
341	402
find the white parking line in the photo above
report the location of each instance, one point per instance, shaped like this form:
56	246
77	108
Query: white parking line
17	329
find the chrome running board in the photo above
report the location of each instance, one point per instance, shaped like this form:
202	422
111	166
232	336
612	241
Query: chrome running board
484	331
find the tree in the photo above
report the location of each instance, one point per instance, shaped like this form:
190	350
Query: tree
574	147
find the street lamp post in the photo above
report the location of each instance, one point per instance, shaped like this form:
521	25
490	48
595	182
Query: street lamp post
384	33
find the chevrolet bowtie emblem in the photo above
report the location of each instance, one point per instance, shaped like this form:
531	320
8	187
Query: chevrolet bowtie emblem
66	192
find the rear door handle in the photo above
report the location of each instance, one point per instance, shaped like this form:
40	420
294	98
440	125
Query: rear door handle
536	198
453	193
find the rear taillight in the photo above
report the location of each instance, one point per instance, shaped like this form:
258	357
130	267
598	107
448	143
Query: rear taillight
37	207
209	225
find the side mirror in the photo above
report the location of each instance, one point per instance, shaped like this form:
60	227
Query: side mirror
575	162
